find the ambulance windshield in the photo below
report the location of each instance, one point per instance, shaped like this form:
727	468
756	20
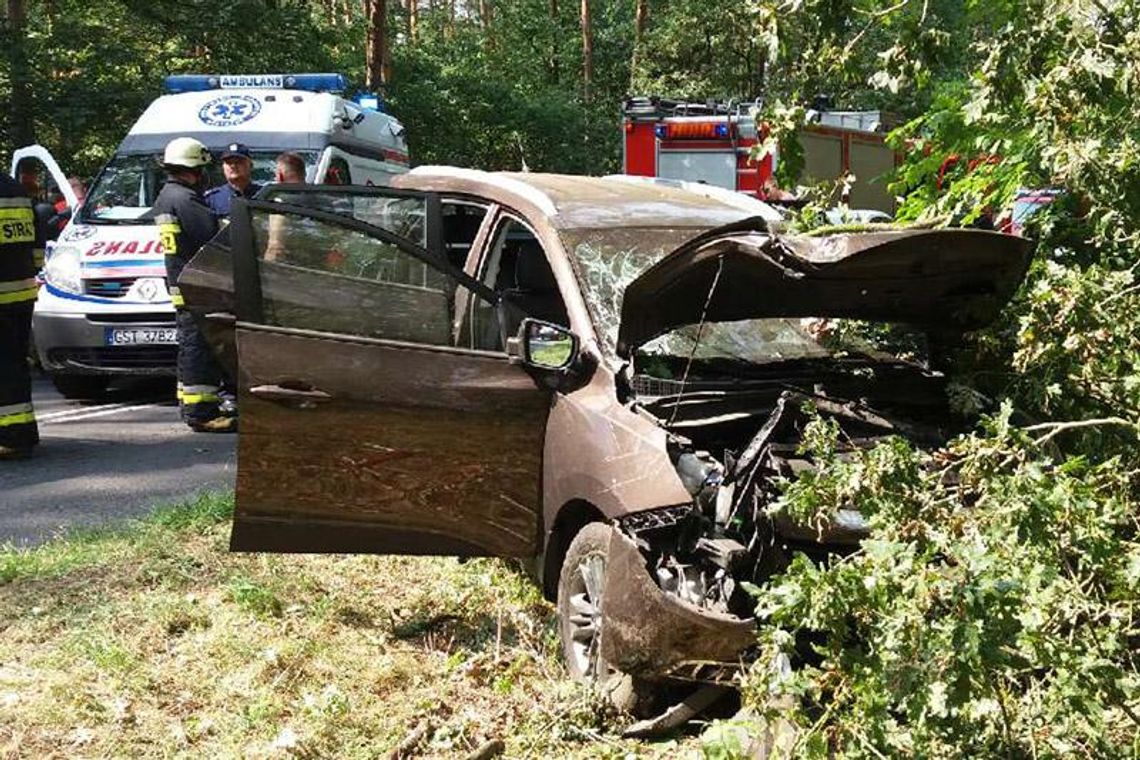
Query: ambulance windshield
128	185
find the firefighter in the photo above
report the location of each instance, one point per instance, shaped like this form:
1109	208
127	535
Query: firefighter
18	239
185	224
237	166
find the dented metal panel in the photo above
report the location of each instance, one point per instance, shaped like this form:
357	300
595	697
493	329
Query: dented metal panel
648	632
949	279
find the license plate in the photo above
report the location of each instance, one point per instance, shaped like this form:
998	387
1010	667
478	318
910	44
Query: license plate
140	336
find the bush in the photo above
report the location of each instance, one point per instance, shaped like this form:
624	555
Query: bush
993	610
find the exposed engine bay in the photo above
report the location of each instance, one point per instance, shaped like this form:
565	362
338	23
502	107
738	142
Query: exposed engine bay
733	440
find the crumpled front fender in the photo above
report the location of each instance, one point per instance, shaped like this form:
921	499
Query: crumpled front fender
649	633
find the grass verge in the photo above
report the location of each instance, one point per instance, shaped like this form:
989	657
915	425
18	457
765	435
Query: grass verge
151	639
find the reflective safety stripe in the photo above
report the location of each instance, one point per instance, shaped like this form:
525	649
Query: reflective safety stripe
168	229
38	257
198	394
12	285
176	296
20	202
16	414
200	398
17	223
17	291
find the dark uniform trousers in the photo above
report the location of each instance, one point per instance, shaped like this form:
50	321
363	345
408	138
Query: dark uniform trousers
17	298
185	224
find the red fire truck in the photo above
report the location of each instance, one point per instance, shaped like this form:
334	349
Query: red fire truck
713	142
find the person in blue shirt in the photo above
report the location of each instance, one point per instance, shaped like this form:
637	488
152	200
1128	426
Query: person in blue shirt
237	168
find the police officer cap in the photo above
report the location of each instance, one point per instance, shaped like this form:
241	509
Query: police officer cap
235	150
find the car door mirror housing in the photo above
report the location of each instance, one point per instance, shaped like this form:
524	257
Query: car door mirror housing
544	345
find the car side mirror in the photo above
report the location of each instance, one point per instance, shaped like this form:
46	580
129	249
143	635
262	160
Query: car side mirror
543	346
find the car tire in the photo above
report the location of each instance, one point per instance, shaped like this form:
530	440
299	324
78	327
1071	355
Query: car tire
581	594
80	386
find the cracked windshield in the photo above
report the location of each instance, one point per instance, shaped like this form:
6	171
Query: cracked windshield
609	260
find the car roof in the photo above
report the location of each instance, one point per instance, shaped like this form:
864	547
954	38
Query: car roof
579	202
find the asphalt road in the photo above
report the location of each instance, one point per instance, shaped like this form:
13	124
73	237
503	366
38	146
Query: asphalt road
108	459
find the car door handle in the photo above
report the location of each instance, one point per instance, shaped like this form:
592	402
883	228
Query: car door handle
280	393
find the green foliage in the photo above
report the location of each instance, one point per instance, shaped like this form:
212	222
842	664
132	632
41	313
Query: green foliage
94	68
992	611
491	100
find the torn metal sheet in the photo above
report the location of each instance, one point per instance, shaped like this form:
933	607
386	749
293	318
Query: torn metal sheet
648	632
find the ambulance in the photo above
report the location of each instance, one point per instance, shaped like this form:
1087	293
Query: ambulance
103	310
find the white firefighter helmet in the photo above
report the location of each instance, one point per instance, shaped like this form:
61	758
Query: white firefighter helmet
185	152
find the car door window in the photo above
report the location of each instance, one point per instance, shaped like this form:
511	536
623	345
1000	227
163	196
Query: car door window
318	275
405	216
461	223
517	268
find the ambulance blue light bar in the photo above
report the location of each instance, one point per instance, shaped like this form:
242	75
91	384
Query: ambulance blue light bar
177	83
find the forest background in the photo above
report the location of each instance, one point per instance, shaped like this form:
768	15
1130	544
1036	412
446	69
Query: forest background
995	610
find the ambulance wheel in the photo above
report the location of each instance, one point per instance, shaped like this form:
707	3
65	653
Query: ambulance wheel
79	386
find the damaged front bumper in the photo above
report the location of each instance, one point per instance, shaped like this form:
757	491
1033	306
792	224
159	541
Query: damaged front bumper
649	633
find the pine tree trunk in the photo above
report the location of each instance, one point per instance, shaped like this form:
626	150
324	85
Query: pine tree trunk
640	20
20	117
552	66
486	12
376	72
587	51
413	19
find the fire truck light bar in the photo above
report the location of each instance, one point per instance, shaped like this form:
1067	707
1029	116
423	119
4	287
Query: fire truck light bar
693	130
177	83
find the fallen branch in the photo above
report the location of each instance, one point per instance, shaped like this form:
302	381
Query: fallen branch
487	750
411	741
1056	428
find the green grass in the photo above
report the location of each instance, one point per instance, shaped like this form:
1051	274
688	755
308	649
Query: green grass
88	547
152	640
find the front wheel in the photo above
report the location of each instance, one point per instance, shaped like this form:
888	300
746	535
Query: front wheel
581	599
80	386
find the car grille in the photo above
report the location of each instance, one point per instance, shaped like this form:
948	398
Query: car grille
111	287
117	357
148	318
644	385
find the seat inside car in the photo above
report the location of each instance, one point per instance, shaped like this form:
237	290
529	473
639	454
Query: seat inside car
460	227
534	291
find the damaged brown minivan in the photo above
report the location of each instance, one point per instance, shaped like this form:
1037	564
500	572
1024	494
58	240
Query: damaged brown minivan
606	375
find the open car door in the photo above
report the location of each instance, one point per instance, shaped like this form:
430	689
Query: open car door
363	427
40	155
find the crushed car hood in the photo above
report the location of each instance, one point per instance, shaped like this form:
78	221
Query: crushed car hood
944	280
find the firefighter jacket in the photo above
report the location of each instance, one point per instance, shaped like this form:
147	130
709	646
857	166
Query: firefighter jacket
185	224
18	239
